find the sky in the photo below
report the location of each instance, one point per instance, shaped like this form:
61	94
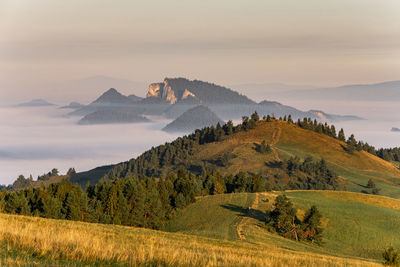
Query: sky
322	43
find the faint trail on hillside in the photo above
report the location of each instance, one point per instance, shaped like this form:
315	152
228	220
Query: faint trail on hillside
276	136
245	220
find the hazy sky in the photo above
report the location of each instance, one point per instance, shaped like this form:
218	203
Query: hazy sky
299	42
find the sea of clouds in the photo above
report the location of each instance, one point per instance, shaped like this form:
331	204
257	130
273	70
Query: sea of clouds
36	139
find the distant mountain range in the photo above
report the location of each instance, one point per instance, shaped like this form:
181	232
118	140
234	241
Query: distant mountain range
35	103
386	91
174	96
192	119
258	91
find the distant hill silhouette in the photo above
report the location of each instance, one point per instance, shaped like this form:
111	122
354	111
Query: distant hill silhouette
194	118
386	91
72	105
112	96
109	99
35	103
111	116
135	98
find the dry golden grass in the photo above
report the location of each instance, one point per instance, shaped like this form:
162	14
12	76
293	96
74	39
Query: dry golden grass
289	140
292	140
91	243
374	200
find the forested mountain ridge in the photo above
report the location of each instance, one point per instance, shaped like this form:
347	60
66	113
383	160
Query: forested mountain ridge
263	148
178	89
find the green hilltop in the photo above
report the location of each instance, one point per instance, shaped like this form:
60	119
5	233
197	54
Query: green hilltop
211	150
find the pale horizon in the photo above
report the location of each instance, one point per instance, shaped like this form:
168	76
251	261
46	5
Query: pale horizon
308	42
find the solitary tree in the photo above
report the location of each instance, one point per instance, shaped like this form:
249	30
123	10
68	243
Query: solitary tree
312	230
284	218
391	257
371	183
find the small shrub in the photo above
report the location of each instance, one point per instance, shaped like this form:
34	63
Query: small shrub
391	257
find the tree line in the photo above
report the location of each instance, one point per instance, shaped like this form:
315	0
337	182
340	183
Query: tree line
178	152
149	202
388	154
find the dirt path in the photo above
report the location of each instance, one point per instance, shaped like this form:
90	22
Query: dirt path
245	220
276	135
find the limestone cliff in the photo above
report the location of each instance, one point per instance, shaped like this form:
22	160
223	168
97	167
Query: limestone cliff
163	91
175	90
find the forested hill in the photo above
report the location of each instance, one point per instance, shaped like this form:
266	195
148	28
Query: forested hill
270	148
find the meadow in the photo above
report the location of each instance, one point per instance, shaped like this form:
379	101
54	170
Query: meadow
215	231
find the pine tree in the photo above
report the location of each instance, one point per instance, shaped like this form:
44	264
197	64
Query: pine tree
371	183
351	144
180	201
52	208
333	131
290	120
245	123
341	135
283	217
255	116
311	225
72	208
228	128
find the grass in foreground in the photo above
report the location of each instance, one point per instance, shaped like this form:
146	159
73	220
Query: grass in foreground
356	225
31	240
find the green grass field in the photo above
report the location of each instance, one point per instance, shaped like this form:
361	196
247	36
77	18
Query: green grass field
356	225
217	230
212	216
353	227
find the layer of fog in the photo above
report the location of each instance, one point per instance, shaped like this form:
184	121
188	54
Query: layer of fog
379	118
35	140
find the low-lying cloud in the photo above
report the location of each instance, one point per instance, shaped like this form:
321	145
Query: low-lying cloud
35	140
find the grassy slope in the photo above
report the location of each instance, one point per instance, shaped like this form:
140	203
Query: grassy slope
356	225
210	216
36	241
290	140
